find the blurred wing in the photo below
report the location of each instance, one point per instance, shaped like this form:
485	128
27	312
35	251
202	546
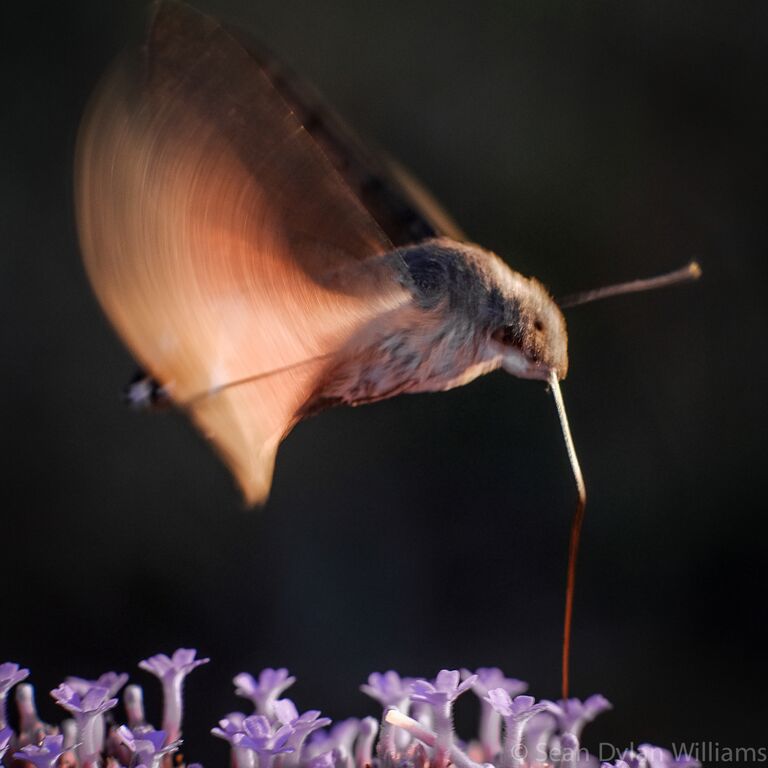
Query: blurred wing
404	209
219	239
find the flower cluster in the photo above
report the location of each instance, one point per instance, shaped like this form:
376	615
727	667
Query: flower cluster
415	730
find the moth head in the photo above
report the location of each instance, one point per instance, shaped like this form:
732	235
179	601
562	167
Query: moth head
506	316
531	335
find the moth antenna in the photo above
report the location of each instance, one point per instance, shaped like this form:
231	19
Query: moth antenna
248	379
690	271
576	524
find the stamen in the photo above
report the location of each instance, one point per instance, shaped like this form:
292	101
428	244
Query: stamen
576	524
394	717
691	271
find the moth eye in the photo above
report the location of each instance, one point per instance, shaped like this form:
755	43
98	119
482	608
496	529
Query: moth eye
427	271
538	325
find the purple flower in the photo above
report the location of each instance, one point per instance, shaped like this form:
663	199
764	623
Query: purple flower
262	737
538	734
440	695
254	734
488	678
519	708
171	673
446	688
648	756
229	726
112	681
575	714
657	757
338	740
69	732
264	692
146	745
287	714
133	701
420	760
86	710
632	759
303	725
6	734
10	674
279	736
569	752
31	729
389	689
176	667
516	713
45	755
95	701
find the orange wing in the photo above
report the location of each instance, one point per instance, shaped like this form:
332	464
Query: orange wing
219	239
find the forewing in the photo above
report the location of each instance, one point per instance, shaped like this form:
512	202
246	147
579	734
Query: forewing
404	209
219	239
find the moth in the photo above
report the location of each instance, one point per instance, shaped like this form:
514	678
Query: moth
262	264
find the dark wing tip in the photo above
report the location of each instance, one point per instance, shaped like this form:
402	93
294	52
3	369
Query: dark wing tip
176	35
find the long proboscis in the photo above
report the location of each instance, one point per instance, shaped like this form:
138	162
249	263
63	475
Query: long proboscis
576	525
691	271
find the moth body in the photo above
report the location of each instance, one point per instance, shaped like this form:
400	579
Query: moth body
467	314
254	271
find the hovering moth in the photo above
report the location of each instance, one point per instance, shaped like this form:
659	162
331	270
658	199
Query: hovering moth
262	264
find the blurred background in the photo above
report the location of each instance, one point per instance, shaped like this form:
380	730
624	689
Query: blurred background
586	143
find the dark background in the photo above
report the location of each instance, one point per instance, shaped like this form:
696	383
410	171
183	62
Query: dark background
586	143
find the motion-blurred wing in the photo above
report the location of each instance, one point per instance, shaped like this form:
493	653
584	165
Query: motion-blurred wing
404	209
219	239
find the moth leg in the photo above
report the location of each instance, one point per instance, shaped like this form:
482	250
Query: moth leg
143	393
